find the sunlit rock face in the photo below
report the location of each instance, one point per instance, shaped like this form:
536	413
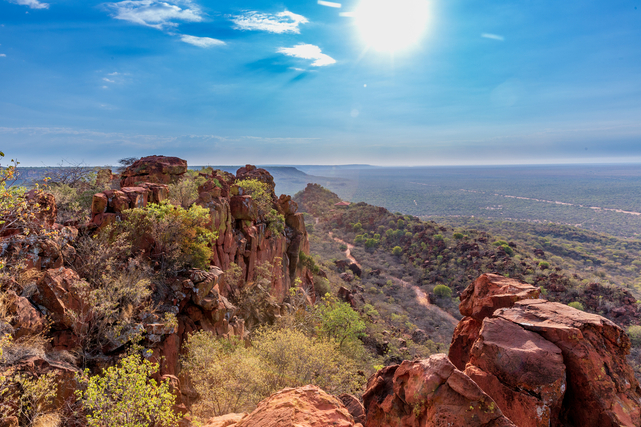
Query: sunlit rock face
544	363
429	392
155	169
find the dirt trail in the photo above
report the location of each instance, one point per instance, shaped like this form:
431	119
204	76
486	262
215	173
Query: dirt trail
420	295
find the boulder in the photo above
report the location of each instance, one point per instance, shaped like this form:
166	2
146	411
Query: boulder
157	192
490	292
544	363
354	406
523	372
601	388
138	196
259	174
57	293
154	169
428	392
227	420
243	208
307	406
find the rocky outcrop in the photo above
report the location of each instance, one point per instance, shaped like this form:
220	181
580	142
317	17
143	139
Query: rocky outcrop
544	363
155	169
426	393
307	406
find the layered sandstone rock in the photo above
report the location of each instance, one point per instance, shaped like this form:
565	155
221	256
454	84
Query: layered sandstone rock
544	363
426	393
155	169
307	406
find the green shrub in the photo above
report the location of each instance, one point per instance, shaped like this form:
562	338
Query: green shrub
338	320
261	194
227	376
577	305
634	332
126	396
458	236
442	291
543	265
230	378
397	251
180	236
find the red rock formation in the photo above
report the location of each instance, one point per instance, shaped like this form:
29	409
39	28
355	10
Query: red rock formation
426	393
354	407
227	420
155	169
46	210
492	291
544	363
56	292
307	406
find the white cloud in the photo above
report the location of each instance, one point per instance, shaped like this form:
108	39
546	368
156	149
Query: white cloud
329	4
155	13
493	36
115	73
283	22
308	51
202	41
33	4
2	55
107	80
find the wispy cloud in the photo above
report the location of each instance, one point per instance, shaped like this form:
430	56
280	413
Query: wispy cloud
493	36
2	55
308	51
155	13
283	22
329	4
33	4
202	41
108	80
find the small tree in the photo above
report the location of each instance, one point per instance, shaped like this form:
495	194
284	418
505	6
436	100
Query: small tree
577	305
442	291
397	251
125	396
339	321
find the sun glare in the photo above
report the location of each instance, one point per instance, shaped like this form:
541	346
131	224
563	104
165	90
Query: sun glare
392	25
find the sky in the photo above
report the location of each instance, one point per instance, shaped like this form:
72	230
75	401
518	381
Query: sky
383	82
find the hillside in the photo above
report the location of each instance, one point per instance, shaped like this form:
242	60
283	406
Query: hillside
403	258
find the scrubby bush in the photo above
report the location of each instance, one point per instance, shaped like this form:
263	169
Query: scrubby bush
126	396
28	397
397	251
180	236
577	305
227	376
230	377
261	194
442	291
634	332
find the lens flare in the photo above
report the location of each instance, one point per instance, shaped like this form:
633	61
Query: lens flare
392	25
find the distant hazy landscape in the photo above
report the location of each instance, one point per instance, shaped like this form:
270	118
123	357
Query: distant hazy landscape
603	198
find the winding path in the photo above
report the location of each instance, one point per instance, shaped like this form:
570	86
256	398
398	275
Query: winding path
420	295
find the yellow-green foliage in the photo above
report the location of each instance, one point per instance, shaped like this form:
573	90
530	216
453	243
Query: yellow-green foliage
338	320
227	376
577	305
442	291
260	194
180	236
230	377
27	397
126	396
634	332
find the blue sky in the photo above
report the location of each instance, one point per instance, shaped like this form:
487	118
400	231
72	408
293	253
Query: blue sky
305	82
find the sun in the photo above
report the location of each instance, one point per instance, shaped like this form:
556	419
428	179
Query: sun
392	25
